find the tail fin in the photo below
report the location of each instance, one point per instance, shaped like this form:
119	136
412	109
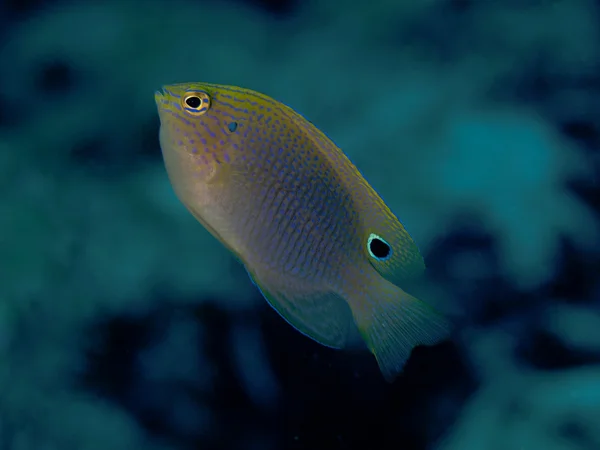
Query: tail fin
393	322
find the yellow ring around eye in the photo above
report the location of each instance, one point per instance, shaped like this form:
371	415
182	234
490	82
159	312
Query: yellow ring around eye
195	103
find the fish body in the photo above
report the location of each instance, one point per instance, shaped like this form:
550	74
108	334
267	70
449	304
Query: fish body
316	239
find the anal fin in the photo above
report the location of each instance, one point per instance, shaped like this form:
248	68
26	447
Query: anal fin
323	316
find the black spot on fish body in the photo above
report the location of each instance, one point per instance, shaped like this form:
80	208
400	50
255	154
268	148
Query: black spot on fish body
378	248
232	126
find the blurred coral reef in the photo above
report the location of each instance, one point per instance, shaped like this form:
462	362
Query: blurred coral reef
125	325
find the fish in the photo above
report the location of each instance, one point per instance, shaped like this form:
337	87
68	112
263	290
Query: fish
316	239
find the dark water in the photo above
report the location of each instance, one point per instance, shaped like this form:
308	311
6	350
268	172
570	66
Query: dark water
124	325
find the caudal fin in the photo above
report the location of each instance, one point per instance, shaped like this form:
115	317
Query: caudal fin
393	322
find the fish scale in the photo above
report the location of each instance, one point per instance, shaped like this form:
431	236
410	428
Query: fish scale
291	238
316	239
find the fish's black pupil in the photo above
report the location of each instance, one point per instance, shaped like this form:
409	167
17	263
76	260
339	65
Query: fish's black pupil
379	248
193	102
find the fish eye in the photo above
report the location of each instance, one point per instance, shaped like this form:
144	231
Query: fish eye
196	103
193	102
378	247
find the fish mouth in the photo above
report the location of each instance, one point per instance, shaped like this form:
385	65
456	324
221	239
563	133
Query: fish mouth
161	97
160	94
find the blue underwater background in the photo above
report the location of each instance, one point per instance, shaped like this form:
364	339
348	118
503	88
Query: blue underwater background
125	325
